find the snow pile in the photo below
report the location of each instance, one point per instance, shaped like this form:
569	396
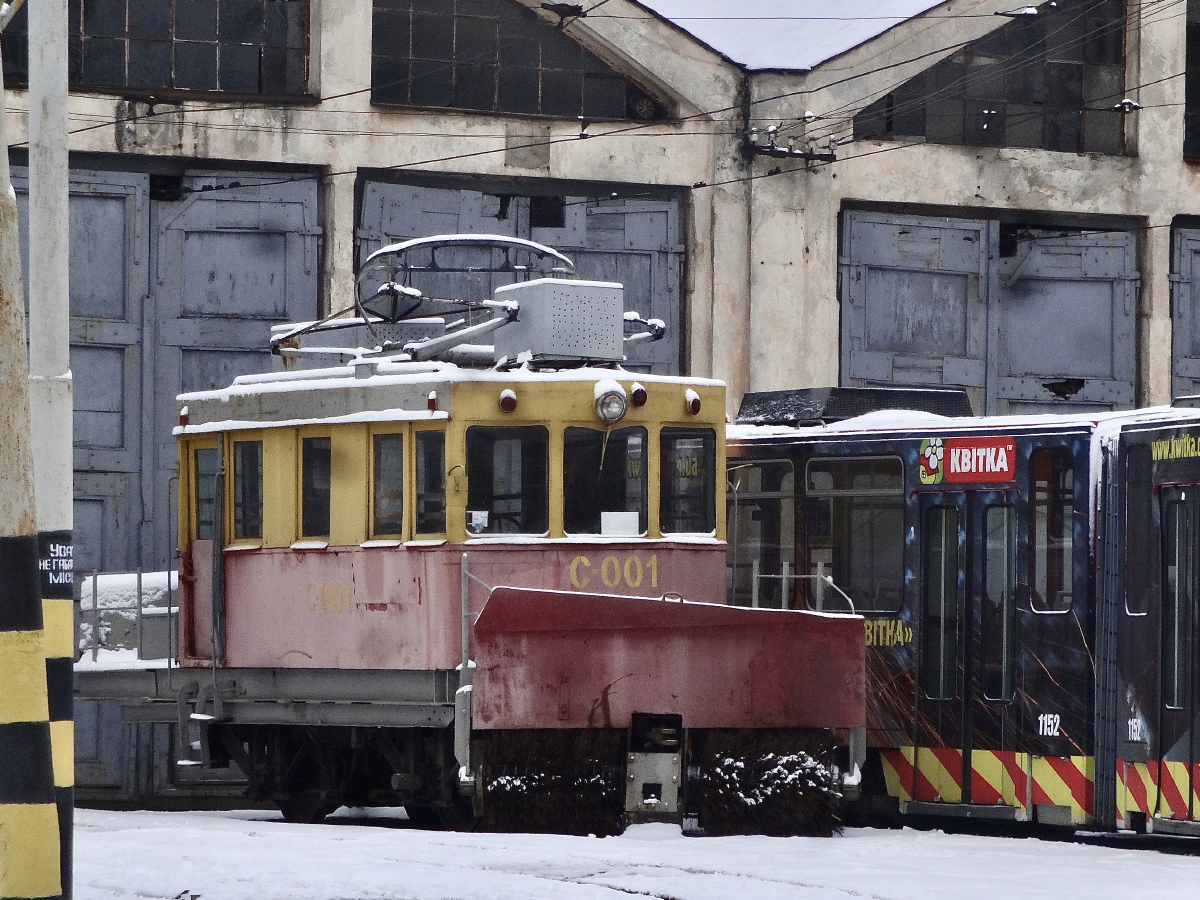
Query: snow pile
116	610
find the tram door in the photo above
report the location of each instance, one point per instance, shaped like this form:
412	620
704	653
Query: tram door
1178	749
967	619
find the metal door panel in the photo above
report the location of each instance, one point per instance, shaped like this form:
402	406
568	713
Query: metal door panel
236	255
912	310
1063	322
203	370
1051	324
108	282
1081	312
1185	311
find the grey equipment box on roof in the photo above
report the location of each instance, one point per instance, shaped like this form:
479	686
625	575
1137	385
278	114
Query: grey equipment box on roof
563	320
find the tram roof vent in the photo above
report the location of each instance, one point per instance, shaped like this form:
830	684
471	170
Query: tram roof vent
812	406
563	320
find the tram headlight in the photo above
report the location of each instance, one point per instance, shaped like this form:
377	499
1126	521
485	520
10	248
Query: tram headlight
610	402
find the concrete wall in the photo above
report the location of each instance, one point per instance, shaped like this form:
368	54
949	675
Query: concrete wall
761	294
794	323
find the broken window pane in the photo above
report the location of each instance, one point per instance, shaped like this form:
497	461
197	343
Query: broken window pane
241	21
104	62
239	68
150	19
196	66
149	63
196	20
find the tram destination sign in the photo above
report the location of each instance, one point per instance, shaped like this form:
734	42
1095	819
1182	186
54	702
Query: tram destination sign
973	460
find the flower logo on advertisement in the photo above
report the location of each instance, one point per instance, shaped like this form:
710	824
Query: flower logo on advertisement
977	460
930	471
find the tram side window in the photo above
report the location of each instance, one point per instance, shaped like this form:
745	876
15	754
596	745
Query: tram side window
1052	530
1175	602
388	499
940	625
999	623
1140	551
687	489
431	482
207	465
761	529
314	487
508	477
247	489
604	472
855	530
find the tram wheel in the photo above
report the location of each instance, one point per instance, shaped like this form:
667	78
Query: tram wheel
765	782
564	782
306	807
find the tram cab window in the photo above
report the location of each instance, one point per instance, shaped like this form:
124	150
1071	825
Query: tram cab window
687	490
855	522
431	482
207	464
1052	530
247	489
508	477
604	472
314	486
387	502
761	529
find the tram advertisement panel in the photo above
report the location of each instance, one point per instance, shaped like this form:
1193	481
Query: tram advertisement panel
967	554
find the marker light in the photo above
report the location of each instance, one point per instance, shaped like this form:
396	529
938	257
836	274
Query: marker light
692	400
508	400
431	402
638	394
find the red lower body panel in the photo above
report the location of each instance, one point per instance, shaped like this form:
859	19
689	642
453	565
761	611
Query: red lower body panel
548	659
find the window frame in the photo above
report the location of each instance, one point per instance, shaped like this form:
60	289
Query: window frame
644	512
548	479
232	439
413	504
1068	573
376	432
304	434
191	447
175	40
685	431
860	607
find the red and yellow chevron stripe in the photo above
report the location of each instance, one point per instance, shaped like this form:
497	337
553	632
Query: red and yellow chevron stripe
1158	789
998	777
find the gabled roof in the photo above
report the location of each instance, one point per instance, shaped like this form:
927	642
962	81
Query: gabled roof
785	34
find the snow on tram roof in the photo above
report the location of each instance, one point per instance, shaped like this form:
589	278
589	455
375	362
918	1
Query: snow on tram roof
904	420
388	373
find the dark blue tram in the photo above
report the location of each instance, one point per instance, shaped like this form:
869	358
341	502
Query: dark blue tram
1030	587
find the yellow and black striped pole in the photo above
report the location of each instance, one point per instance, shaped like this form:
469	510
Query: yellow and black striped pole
31	862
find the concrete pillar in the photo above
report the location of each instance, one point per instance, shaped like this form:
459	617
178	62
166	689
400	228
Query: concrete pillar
30	857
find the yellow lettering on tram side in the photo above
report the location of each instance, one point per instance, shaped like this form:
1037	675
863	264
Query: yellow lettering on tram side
330	599
576	579
615	573
888	633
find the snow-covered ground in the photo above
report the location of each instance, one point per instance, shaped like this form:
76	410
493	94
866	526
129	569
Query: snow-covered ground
256	856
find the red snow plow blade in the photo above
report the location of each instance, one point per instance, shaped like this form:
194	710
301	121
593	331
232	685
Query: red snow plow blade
556	659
